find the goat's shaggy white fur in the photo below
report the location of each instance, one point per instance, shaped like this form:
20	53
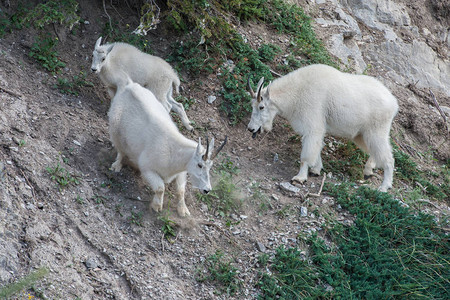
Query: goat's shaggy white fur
142	130
110	61
319	100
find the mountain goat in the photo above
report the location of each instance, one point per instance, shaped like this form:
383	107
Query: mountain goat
319	100
150	71
141	129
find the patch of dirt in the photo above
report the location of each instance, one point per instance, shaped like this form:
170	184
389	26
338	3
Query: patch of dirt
99	239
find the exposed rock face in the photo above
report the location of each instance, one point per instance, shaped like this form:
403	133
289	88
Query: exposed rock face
386	34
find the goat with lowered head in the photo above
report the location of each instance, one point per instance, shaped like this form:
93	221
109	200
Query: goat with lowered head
110	61
319	100
141	129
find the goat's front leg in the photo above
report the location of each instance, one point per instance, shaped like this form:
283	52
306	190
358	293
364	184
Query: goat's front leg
157	185
180	182
310	157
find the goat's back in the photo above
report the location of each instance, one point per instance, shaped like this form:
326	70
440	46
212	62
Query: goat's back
148	70
344	103
139	124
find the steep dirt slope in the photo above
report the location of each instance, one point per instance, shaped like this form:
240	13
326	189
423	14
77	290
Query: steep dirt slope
98	238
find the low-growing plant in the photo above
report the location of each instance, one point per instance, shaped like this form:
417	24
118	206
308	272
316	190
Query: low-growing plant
43	50
169	226
350	161
220	271
9	290
62	177
64	12
258	196
389	252
267	52
136	218
223	199
114	33
74	86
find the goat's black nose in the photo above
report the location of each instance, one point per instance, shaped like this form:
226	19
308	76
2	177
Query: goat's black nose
205	191
93	70
249	129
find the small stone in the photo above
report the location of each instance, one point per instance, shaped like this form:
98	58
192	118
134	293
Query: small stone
211	99
76	142
260	246
275	197
91	263
275	157
303	211
289	187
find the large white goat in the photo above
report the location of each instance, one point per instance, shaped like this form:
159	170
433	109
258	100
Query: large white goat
142	130
110	61
319	100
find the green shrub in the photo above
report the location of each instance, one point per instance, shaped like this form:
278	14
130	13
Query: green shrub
43	50
64	12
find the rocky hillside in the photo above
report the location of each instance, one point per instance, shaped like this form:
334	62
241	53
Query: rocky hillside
70	228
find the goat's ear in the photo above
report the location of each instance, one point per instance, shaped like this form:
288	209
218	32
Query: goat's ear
97	43
110	47
267	92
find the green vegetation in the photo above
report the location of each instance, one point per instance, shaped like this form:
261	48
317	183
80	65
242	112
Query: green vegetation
389	252
407	170
350	161
223	199
226	51
112	32
9	290
62	177
63	12
43	50
218	270
168	227
74	86
136	218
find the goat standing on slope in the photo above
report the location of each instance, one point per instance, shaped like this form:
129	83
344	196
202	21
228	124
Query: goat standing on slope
319	100
142	130
152	72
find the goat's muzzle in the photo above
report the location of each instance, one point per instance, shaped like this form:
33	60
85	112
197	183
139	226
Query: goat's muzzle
205	191
255	132
94	70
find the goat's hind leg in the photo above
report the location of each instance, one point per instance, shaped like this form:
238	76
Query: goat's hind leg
117	165
179	109
180	182
310	156
157	185
381	156
370	164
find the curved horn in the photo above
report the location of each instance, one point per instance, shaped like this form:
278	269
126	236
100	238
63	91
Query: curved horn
249	87
260	84
205	156
220	148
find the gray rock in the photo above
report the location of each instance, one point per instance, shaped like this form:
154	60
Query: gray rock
261	247
289	187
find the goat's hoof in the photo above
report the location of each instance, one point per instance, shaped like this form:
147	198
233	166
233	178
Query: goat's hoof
383	189
366	177
189	127
116	167
298	180
156	206
183	211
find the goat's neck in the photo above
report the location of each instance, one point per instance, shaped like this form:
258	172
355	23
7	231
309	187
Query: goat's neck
182	156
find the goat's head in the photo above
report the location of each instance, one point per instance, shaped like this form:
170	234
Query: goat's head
201	163
100	55
263	110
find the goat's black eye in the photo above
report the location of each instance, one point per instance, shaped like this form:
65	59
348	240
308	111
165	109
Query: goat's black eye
261	107
103	59
200	166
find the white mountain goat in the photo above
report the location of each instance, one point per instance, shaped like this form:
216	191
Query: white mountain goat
141	129
319	100
152	72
